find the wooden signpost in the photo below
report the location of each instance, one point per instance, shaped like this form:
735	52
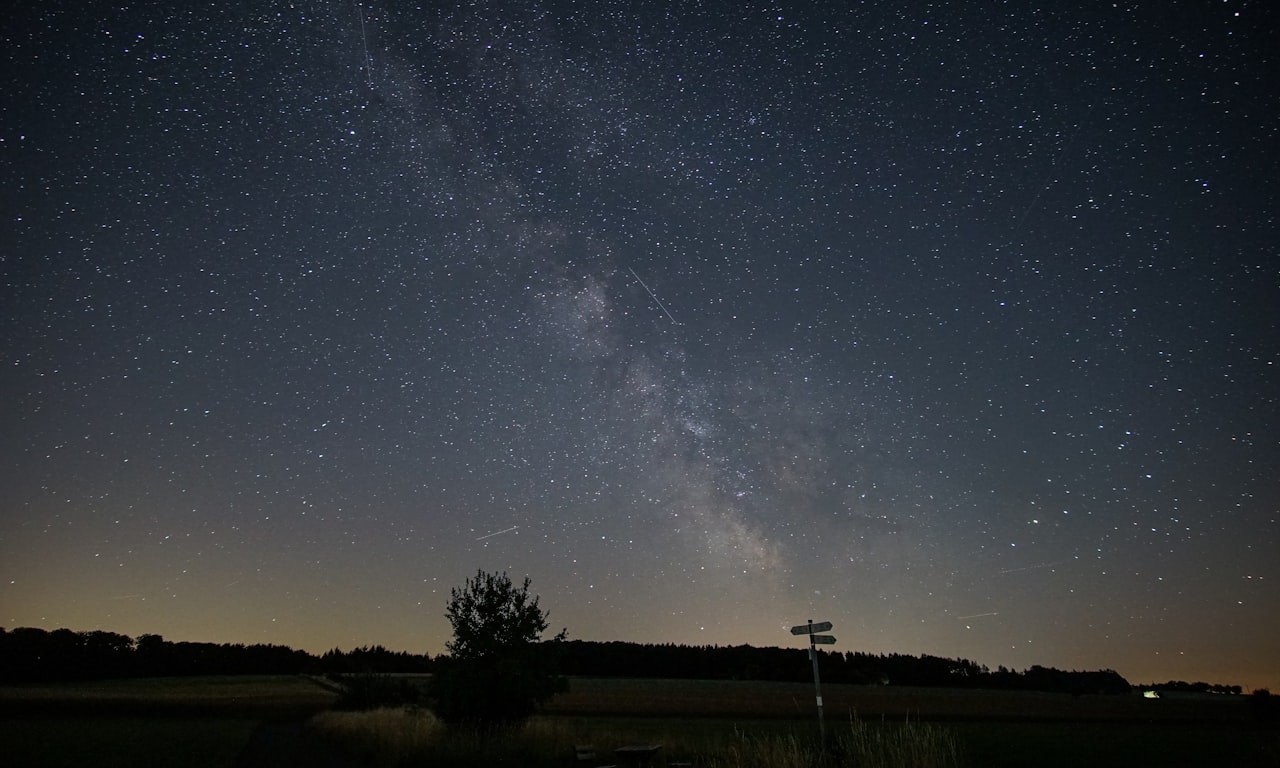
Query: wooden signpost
815	640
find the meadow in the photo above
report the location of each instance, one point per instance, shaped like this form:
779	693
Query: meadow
752	723
203	722
395	737
209	721
753	698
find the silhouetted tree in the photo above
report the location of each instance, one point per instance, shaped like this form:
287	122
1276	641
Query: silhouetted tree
498	671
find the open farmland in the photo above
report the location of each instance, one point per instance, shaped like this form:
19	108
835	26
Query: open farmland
207	722
996	729
708	722
196	722
238	696
748	698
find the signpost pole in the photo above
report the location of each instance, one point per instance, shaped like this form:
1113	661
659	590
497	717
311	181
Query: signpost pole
810	629
817	684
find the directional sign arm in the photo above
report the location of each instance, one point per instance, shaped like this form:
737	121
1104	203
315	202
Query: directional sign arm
807	629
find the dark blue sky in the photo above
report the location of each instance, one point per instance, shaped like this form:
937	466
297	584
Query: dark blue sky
951	323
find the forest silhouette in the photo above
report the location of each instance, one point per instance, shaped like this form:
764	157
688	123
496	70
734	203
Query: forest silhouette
30	654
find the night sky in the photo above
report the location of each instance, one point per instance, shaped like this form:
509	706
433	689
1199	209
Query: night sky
952	323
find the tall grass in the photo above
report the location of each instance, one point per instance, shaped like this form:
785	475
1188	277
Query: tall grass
883	745
908	744
387	738
381	737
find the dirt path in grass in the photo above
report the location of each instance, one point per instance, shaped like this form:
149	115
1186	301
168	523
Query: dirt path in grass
283	744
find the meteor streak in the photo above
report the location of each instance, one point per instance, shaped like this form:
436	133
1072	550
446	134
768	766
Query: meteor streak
1031	567
497	533
651	295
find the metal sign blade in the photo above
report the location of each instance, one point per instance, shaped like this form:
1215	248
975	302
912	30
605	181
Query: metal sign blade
804	629
823	640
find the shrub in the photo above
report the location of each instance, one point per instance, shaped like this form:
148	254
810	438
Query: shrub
372	691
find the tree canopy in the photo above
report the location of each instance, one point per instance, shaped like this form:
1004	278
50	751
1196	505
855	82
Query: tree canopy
491	617
498	669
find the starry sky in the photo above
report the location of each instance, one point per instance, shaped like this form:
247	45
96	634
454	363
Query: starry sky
952	323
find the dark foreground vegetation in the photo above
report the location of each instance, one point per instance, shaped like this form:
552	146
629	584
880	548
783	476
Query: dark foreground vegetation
214	721
750	724
193	722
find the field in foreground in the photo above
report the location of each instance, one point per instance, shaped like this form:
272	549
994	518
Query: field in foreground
202	722
208	721
743	698
992	728
403	737
733	723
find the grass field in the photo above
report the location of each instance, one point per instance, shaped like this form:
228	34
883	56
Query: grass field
123	742
399	737
205	722
1115	743
735	698
198	722
712	723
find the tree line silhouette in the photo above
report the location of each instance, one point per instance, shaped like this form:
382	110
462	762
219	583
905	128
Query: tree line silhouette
31	655
1178	686
35	655
745	662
